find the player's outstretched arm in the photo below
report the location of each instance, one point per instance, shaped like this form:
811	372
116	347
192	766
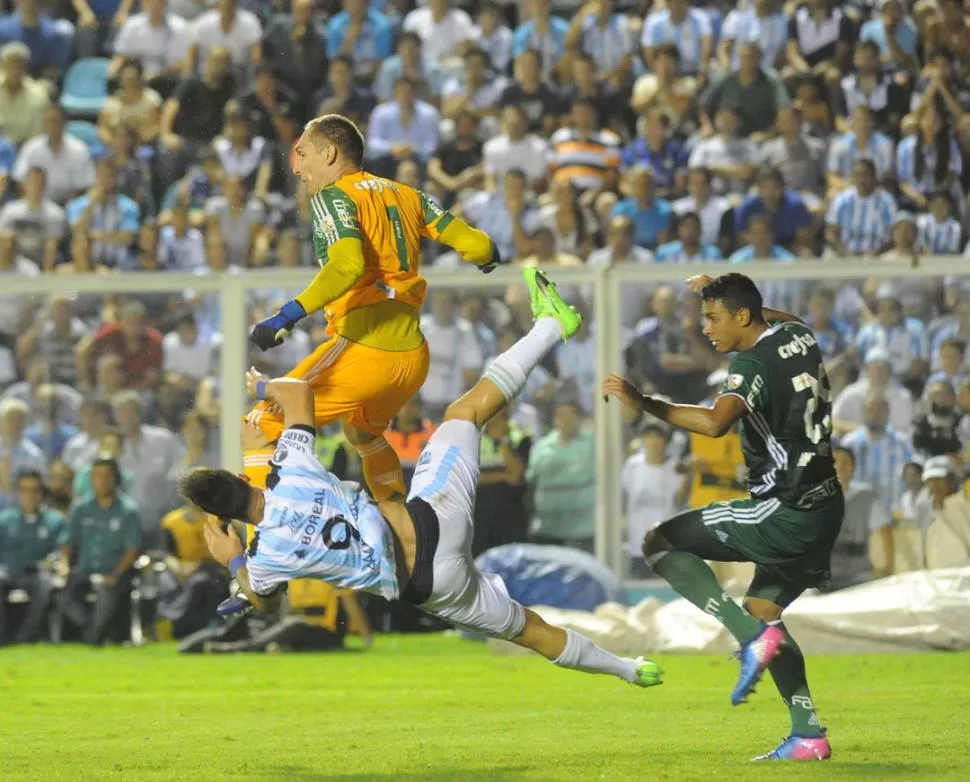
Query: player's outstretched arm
713	421
474	246
294	396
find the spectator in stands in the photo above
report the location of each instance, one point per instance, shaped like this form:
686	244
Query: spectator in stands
654	486
138	345
274	111
36	376
571	224
442	29
409	432
862	142
904	338
297	50
402	129
761	22
29	533
494	36
870	86
363	34
66	160
93	422
562	477
611	106
895	37
799	157
193	584
23	99
791	223
583	153
500	512
193	117
101	542
456	359
543	34
149	453
757	94
181	246
820	38
688	247
935	430
96	23
229	26
475	90
109	219
948	365
133	106
609	38
16	311
689	29
880	452
540	100
49	432
667	90
877	379
411	62
457	164
17	453
948	535
929	159
716	216
651	216
729	158
237	219
187	354
50	48
53	337
342	94
939	231
200	447
661	153
516	148
620	248
37	223
109	444
508	213
156	38
834	336
860	219
243	155
865	515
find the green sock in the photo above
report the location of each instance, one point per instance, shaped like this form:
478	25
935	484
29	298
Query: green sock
788	671
690	576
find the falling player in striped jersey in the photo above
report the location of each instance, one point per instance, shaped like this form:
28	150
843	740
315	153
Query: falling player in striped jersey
778	392
415	548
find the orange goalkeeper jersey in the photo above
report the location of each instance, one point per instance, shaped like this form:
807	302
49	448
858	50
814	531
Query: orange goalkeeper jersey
390	219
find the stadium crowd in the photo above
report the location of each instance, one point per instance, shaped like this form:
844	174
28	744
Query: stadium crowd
155	136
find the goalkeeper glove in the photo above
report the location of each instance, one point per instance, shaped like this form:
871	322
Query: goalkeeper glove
271	332
489	267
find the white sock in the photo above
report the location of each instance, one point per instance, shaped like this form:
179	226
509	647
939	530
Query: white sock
581	654
510	369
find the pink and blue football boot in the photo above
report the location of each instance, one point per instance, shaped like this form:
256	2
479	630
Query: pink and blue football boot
755	656
800	748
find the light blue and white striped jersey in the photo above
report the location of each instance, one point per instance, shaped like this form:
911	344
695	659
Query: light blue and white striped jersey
845	151
865	223
785	295
906	164
315	526
674	252
938	238
608	46
744	25
904	343
880	462
949	331
687	36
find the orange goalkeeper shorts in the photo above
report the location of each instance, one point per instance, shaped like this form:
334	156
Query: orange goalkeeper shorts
360	385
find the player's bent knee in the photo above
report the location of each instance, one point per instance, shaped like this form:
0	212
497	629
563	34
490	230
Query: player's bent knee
654	543
762	609
462	411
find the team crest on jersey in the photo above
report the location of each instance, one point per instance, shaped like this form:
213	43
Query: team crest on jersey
281	453
734	382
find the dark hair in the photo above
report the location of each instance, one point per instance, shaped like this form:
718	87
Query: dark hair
407	35
132	62
217	492
346	59
342	133
842	449
667	50
687	217
104	460
772	173
735	291
867	162
762	217
954	342
704	171
870	45
516	172
940	144
30	475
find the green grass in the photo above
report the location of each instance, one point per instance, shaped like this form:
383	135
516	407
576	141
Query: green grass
433	708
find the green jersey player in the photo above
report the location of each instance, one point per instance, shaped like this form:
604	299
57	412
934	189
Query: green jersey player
778	394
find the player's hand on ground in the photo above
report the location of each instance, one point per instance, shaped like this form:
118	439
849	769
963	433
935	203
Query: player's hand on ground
222	545
698	282
253	376
624	390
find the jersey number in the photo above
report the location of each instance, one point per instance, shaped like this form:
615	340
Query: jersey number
818	387
350	533
394	216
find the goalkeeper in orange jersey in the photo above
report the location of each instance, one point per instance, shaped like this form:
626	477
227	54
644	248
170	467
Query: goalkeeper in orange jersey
366	235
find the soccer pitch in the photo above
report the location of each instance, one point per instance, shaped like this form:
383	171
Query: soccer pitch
434	708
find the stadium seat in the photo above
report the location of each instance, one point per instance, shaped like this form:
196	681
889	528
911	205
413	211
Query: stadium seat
86	132
86	87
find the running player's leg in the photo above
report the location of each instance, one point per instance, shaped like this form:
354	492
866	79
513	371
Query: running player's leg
768	596
380	463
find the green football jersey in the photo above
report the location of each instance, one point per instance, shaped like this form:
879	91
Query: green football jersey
785	434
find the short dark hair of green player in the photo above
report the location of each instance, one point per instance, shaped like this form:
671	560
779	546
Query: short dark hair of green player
732	307
342	133
736	292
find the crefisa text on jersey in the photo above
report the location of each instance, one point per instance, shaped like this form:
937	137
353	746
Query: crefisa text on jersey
798	346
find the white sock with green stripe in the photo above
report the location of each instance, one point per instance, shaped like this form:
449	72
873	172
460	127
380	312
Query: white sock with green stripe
510	370
581	654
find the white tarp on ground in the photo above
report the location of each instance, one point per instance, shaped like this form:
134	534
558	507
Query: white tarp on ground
909	612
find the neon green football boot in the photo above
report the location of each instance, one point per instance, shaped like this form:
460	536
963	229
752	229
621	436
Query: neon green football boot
648	674
547	303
